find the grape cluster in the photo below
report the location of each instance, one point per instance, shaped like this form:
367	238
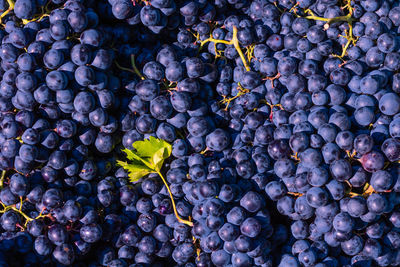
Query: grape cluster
282	116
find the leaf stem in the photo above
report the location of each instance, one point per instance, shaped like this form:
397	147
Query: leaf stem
173	202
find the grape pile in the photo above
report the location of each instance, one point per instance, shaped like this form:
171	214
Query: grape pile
200	133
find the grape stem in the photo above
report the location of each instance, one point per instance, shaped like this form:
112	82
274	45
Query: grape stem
241	91
19	210
11	4
295	156
234	41
293	10
187	222
271	106
3	175
277	76
250	52
295	194
123	68
347	18
135	69
367	191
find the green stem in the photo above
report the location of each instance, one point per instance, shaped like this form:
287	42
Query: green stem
123	68
135	69
173	202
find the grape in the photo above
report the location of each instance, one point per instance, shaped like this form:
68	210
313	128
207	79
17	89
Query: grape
64	254
317	176
150	16
42	245
275	190
9	148
24	9
316	197
84	75
80	54
220	257
236	216
241	259
372	161
307	257
374	57
57	234
217	140
53	58
356	207
251	227
9	53
381	180
18	185
352	246
341	169
286	66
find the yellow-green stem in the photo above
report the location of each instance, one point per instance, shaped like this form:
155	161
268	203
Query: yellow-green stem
234	41
27	218
241	91
11	4
19	210
367	191
347	18
173	202
135	69
3	175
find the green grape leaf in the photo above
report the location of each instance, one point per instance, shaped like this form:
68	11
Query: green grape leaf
154	151
135	171
148	157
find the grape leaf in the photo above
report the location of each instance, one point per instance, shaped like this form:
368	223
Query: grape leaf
153	150
147	157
